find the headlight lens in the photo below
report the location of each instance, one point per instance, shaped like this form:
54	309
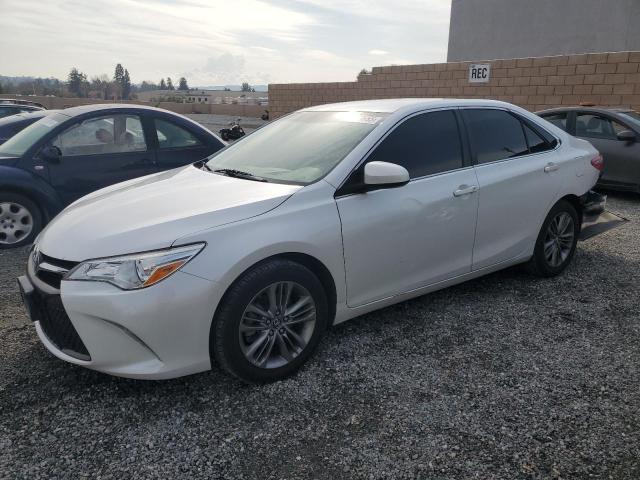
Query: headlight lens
131	272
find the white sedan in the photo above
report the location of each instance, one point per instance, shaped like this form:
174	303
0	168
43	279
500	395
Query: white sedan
323	215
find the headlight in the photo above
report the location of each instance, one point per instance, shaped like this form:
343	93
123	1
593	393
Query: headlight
131	272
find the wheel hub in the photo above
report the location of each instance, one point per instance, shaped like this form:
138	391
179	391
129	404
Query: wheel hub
277	324
559	239
16	222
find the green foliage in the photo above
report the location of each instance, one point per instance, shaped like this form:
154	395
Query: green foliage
77	82
183	84
170	84
163	84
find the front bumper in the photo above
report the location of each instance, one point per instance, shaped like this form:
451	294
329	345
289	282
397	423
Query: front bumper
153	333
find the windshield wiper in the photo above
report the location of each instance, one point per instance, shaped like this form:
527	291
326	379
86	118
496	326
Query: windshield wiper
230	172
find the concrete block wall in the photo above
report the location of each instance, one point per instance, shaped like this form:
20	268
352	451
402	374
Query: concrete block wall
536	83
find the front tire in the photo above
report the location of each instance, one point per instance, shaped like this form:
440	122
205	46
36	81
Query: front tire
557	241
20	220
269	322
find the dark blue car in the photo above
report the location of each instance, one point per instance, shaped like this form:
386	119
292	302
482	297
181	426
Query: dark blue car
70	153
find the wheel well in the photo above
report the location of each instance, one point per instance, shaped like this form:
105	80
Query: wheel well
43	212
320	271
313	264
577	204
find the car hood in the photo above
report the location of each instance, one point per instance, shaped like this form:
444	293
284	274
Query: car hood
151	212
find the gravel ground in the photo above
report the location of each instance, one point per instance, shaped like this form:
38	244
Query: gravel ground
504	377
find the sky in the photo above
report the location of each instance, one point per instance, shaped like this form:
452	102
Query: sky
213	42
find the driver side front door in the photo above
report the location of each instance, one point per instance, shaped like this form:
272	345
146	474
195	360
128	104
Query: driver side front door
404	238
99	152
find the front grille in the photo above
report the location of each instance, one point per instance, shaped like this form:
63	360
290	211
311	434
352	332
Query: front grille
57	327
54	276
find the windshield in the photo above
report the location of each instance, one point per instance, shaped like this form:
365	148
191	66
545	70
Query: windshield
299	148
22	141
635	116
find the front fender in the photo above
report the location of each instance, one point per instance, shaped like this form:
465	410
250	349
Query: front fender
24	182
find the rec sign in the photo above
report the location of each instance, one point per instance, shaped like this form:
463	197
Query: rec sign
479	73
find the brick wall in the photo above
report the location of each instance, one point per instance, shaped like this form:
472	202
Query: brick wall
608	79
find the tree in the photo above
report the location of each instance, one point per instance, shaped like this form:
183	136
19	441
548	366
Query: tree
76	82
126	85
170	84
163	85
183	84
118	75
246	87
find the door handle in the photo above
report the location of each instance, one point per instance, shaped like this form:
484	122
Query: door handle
551	167
465	190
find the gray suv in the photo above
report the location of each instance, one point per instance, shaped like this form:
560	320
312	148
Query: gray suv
615	132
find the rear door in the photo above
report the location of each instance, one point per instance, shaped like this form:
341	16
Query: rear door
619	156
400	239
519	178
178	144
98	152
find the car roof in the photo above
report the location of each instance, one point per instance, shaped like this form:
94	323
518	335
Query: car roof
393	105
590	108
82	109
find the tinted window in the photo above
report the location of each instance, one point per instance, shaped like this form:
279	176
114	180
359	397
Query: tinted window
103	135
173	136
424	145
536	143
494	135
597	126
558	119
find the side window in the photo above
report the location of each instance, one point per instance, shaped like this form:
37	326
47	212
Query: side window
596	126
171	135
494	135
558	119
102	135
425	144
536	142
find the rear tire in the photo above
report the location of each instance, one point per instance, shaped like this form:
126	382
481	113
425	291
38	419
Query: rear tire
557	241
269	322
20	220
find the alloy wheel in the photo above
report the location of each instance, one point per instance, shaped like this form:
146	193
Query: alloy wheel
16	222
277	325
558	241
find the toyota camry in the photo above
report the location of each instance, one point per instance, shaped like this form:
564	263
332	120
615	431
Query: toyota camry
328	213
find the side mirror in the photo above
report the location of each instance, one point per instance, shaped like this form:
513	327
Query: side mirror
385	175
51	153
627	136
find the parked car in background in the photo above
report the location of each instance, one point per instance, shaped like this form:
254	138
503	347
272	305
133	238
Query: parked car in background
11	107
323	215
615	132
73	152
13	124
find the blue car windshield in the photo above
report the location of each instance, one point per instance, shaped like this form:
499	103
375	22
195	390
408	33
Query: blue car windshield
299	148
17	145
